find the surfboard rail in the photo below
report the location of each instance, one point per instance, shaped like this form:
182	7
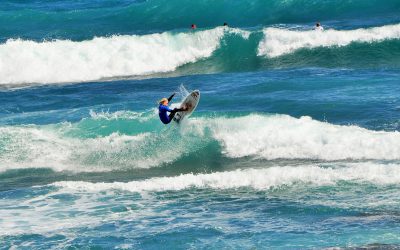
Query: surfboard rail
190	102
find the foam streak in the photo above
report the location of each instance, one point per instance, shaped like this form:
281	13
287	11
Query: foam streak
259	179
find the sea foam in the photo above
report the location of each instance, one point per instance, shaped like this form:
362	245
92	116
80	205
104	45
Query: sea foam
278	42
23	61
259	179
286	137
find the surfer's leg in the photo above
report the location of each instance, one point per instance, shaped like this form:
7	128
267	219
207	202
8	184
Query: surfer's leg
172	114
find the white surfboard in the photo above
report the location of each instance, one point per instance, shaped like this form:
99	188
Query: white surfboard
189	102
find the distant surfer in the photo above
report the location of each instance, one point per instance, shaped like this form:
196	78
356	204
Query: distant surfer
318	26
193	26
226	24
163	109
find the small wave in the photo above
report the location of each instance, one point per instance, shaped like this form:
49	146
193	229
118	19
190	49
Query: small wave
278	42
259	179
33	147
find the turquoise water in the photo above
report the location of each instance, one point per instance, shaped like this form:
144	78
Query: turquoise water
295	143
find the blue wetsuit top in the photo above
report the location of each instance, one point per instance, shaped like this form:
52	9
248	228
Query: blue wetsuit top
162	112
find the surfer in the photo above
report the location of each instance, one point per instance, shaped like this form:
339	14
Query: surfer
163	109
318	27
193	26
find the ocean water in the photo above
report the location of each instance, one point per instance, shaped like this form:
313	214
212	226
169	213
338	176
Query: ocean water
295	143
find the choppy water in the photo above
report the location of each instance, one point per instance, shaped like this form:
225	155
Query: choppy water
295	142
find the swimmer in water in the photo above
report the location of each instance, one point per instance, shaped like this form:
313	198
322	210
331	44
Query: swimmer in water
318	27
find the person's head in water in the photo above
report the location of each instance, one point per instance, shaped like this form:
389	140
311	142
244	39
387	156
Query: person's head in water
225	24
164	101
193	26
317	24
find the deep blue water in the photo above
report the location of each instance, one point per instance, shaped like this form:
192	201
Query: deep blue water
295	143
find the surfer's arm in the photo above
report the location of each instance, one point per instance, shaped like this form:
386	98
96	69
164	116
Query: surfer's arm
170	98
164	108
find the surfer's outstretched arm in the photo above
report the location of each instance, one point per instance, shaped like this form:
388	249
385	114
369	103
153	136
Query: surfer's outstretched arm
170	98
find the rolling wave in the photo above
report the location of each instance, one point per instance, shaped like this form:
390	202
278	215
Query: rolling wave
207	51
278	42
282	136
139	141
259	179
67	61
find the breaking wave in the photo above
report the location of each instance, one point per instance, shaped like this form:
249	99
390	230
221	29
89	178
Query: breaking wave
207	51
23	61
124	141
278	42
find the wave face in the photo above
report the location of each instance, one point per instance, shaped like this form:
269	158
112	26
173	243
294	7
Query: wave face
75	148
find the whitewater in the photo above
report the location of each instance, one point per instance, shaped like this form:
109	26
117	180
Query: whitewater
295	143
259	179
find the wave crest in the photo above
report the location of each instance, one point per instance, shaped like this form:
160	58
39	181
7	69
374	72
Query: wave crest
278	42
58	61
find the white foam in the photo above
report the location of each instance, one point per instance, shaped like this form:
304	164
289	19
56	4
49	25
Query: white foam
46	215
123	115
243	33
76	204
282	136
277	42
56	61
259	179
46	147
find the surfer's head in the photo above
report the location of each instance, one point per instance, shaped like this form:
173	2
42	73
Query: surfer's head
164	101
